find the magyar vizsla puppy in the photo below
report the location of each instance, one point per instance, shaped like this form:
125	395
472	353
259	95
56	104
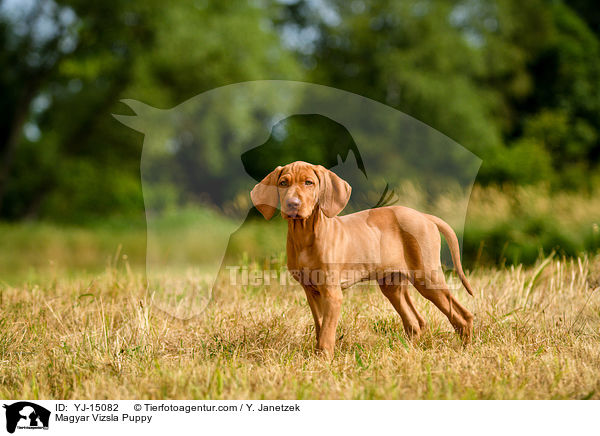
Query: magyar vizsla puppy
327	253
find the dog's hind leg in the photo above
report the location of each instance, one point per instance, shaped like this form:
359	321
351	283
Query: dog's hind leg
434	288
397	291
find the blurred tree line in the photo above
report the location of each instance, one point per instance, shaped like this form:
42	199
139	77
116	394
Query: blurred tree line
515	82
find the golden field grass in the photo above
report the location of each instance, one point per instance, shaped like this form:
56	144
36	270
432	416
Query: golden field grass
98	336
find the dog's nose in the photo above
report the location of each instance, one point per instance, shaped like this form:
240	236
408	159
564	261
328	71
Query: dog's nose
293	203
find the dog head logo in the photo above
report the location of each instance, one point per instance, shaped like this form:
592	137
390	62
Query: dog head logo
214	148
26	415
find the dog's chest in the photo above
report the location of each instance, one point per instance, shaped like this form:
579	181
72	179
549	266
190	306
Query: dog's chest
309	258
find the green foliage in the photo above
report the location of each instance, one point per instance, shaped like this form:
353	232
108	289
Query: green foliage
492	75
82	162
562	113
202	45
518	225
525	162
515	82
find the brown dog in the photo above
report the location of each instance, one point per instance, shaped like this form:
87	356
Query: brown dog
326	253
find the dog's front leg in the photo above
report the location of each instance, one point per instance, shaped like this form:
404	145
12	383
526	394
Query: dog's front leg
331	305
314	301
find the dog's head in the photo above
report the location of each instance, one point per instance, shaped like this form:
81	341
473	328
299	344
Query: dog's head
300	188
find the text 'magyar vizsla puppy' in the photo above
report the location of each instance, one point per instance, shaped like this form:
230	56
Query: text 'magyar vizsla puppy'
327	253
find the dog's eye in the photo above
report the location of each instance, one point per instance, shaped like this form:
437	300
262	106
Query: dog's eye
283	183
308	183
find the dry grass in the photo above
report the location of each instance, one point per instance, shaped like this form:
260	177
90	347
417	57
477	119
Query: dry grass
537	335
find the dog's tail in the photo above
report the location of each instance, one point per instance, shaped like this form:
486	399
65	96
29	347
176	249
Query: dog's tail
452	241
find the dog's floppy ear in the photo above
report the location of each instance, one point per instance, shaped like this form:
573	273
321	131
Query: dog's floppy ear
334	192
265	195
